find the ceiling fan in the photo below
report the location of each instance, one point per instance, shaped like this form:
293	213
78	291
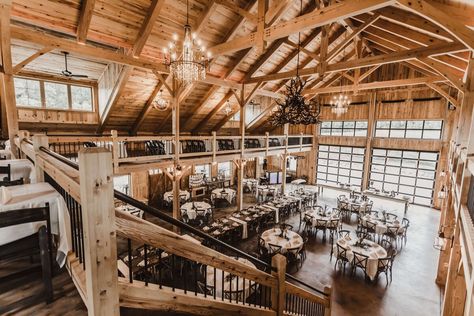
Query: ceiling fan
66	72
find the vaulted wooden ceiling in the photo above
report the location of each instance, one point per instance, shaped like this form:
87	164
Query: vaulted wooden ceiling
348	39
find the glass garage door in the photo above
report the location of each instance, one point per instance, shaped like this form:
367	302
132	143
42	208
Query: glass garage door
409	173
340	164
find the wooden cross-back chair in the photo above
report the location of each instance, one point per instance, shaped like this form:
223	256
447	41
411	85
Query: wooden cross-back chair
40	242
5	170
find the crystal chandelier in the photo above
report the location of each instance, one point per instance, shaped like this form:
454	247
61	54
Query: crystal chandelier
188	64
339	104
295	109
160	103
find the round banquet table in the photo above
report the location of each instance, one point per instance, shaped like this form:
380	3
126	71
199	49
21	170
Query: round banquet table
373	250
381	226
187	208
355	202
217	193
234	284
326	216
272	236
168	196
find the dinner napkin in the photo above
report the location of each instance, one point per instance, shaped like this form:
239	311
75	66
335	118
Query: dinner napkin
6	195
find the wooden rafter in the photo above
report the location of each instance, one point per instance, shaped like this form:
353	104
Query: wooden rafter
85	17
443	93
441	18
241	11
370	61
330	14
216	109
147	26
18	67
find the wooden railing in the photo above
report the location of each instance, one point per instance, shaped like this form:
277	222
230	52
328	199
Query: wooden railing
129	152
95	226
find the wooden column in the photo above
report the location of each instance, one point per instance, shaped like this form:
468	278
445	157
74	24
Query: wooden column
22	136
8	89
278	294
284	158
177	148
370	135
100	244
115	150
313	156
240	175
39	140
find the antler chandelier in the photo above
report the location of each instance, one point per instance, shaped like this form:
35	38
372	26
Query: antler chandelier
188	64
295	109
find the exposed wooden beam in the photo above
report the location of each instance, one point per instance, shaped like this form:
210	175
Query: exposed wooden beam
148	106
216	109
18	67
89	50
261	10
378	85
335	51
147	26
276	10
369	61
241	11
441	18
317	18
85	17
443	93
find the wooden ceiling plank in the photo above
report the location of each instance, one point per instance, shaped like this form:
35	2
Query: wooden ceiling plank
216	109
147	108
147	26
85	17
98	53
236	9
317	18
428	11
18	67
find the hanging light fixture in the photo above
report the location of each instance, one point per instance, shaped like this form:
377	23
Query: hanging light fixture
340	102
188	64
295	109
160	103
228	108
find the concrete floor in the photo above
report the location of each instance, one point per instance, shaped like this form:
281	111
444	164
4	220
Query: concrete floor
413	291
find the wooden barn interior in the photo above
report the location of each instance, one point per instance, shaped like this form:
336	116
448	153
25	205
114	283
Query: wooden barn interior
237	157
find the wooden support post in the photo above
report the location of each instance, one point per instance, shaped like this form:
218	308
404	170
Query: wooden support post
278	294
100	244
240	187
313	156
267	143
8	89
39	140
241	168
177	151
370	135
284	159
214	146
22	135
115	150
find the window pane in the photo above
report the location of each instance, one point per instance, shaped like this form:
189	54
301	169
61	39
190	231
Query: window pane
56	95
81	98
414	134
382	133
383	124
414	124
27	92
433	124
397	133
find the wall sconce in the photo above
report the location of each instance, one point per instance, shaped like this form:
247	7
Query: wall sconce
442	193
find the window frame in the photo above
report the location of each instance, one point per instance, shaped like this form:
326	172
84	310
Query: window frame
390	129
69	95
343	128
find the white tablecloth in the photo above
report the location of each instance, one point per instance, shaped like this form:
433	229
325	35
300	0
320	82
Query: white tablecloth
20	168
374	252
229	284
326	216
36	195
272	208
298	181
358	202
245	233
217	193
5	153
292	240
187	208
168	196
381	226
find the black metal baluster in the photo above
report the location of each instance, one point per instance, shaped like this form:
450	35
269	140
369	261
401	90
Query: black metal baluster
195	278
205	280
173	271
185	264
215	282
222	285
145	255
159	267
243	291
237	289
130	272
250	286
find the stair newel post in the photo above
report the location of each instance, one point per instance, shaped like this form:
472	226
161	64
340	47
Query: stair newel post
279	293
39	140
100	244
